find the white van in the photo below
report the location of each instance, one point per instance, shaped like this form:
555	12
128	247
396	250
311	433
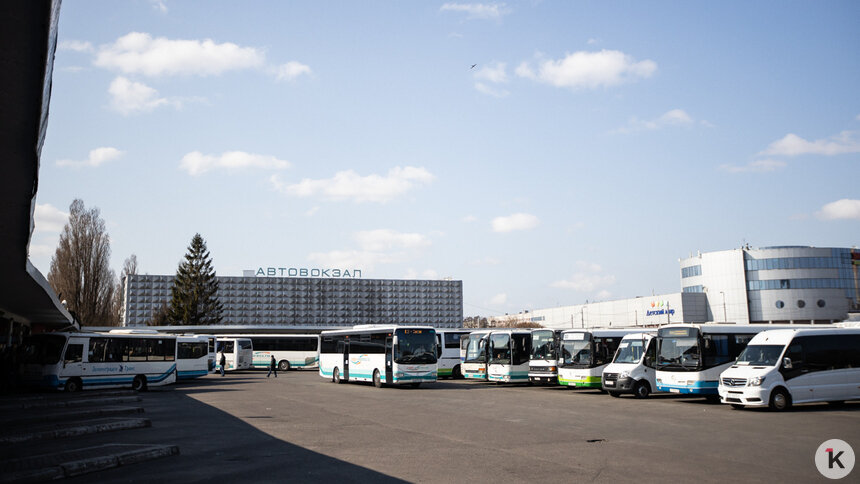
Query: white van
781	367
632	369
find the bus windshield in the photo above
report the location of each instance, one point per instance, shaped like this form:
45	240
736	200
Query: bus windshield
630	351
542	345
415	346
225	346
678	352
43	349
576	353
760	355
476	351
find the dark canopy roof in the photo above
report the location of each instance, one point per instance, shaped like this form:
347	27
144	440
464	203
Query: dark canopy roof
28	38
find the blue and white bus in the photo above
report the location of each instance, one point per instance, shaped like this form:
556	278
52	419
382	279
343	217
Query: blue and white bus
289	350
448	341
380	354
690	357
192	356
83	361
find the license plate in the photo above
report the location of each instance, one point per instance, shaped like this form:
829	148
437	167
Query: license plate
610	383
674	390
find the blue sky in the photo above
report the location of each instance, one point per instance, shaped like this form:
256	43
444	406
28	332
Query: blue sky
593	144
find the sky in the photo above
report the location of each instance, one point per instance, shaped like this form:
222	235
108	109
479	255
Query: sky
545	153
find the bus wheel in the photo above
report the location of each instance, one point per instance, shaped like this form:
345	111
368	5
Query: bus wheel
614	394
139	383
284	365
335	375
641	389
780	400
377	380
456	373
73	385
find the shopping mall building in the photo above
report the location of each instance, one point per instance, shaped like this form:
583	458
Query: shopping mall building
792	284
331	299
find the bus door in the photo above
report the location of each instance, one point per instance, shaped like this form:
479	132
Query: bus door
389	360
73	358
346	360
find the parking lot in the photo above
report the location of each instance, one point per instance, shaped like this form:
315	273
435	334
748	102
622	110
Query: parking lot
300	427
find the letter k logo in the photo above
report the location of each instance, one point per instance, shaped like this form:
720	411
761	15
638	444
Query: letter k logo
831	459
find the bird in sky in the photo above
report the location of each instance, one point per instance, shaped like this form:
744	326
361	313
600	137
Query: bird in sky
473	66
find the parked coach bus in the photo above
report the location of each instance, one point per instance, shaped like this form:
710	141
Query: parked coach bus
448	344
192	356
781	367
584	354
379	354
76	361
475	361
289	350
508	356
238	352
543	362
690	357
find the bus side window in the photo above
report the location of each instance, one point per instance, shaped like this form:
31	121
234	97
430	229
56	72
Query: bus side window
74	353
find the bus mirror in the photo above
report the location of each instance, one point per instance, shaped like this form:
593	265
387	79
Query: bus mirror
394	341
786	363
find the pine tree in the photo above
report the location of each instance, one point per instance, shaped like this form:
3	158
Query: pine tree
194	296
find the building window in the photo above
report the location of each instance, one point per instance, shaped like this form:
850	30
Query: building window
821	303
699	288
801	303
780	304
691	271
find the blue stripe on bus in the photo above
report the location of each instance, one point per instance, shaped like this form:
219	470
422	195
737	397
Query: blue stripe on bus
183	375
121	380
698	388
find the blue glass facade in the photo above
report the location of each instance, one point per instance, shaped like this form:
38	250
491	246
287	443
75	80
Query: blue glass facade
840	259
691	271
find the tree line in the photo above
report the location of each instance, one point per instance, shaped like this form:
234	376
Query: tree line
81	276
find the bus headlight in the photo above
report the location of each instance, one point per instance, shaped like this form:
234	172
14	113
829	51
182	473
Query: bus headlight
756	381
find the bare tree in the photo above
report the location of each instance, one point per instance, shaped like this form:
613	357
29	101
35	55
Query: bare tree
129	268
80	269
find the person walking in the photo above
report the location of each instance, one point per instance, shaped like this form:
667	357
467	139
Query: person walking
273	367
223	362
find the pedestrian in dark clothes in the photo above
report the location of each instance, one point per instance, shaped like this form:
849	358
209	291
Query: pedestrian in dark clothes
273	367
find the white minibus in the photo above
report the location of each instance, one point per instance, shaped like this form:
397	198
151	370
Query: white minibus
584	354
380	354
632	369
475	363
238	351
289	350
508	355
192	356
448	353
543	361
76	361
690	357
781	367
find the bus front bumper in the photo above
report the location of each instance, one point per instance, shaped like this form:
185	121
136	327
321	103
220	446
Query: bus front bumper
587	382
757	396
621	385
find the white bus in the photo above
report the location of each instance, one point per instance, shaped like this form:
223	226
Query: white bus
237	350
690	357
633	368
192	356
781	367
508	356
474	364
379	354
543	362
448	354
584	354
76	361
289	350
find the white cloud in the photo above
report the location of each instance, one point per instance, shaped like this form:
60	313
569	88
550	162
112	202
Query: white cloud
47	218
588	70
348	185
291	70
140	53
484	11
491	91
757	166
674	117
160	5
196	163
592	41
385	239
349	259
75	45
588	278
96	157
841	209
495	73
128	97
517	221
470	219
499	299
793	145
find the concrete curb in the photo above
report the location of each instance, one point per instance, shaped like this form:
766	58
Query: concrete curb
124	424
